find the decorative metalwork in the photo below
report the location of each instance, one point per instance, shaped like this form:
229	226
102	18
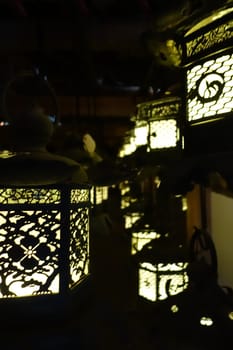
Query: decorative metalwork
210	88
165	108
79	245
44	239
29	250
159	281
210	39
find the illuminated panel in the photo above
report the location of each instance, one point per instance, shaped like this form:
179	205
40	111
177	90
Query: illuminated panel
163	128
210	89
131	218
139	239
79	195
44	235
79	245
159	281
140	133
163	134
29	196
29	246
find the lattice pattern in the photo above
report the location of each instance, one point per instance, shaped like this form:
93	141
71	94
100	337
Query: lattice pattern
29	247
29	195
210	88
165	109
79	244
163	134
79	195
157	282
209	39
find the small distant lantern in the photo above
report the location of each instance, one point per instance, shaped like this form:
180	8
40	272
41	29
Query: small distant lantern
208	63
164	128
161	275
157	124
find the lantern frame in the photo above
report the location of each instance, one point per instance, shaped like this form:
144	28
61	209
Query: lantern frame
44	233
208	90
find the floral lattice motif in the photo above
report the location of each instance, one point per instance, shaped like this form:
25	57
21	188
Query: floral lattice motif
29	252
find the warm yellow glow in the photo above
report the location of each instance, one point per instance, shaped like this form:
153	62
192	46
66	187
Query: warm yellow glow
131	218
157	282
139	239
29	195
210	89
35	275
163	134
128	148
99	194
206	321
174	308
141	134
230	315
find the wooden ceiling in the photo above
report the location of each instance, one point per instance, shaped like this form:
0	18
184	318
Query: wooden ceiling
102	57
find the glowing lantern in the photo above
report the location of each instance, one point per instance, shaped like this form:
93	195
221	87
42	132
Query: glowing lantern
208	62
163	273
156	124
44	234
164	128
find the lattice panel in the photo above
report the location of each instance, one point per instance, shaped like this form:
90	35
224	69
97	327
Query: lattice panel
79	244
211	38
210	89
29	196
163	134
159	281
29	249
79	195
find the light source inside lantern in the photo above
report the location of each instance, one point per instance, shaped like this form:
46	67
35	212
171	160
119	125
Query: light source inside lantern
210	89
158	281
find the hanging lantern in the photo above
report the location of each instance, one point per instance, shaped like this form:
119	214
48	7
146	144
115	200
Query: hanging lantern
208	63
164	128
157	124
44	217
161	269
44	240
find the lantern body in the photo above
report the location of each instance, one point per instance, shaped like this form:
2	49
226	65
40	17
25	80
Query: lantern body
158	122
208	99
44	234
164	124
158	281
